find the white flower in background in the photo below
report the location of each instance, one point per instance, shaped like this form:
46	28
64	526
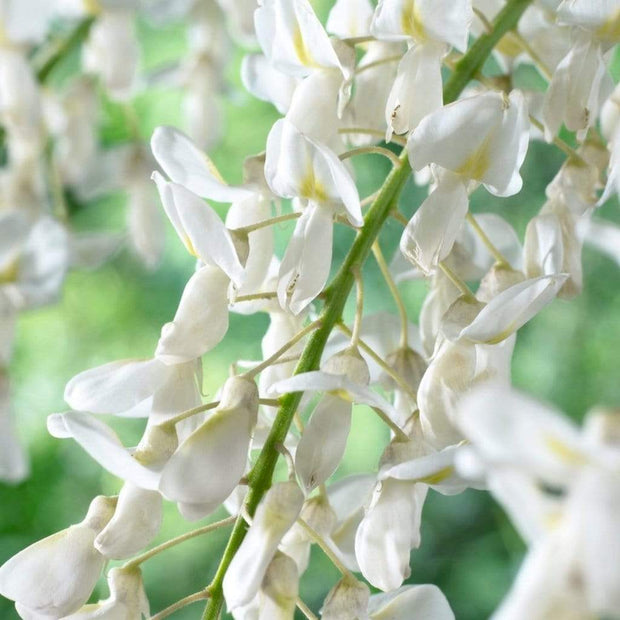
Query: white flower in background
112	52
55	576
298	167
13	461
579	543
416	602
33	270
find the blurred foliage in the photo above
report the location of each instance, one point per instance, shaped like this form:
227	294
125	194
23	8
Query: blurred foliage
567	355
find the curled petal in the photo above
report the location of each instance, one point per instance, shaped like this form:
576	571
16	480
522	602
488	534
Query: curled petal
323	441
436	224
512	308
201	320
187	165
307	260
116	387
103	445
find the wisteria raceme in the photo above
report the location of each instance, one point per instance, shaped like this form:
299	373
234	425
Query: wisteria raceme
403	79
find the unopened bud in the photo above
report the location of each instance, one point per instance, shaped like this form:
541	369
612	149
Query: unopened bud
349	362
280	585
406	363
347	600
459	315
497	280
318	514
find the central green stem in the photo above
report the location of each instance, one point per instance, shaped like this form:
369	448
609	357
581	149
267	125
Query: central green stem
336	294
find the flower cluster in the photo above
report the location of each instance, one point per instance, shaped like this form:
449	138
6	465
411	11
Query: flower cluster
53	157
404	72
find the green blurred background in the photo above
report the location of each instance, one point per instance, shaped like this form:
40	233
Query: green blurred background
568	355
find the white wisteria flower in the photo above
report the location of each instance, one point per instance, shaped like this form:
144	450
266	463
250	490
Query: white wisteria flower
55	576
298	167
274	516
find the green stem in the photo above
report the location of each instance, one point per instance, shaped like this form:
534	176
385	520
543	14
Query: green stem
505	21
63	48
336	294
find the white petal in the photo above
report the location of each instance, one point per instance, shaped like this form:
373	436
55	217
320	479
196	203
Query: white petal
297	166
577	89
265	82
512	308
318	381
115	387
200	228
482	138
201	320
423	20
103	445
136	521
306	263
56	575
350	18
425	601
417	90
186	164
543	247
388	532
432	231
246	212
274	516
208	465
292	37
510	428
436	469
605	237
449	374
323	441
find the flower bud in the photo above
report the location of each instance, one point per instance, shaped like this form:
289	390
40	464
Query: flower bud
348	362
347	600
497	280
406	363
279	589
459	315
